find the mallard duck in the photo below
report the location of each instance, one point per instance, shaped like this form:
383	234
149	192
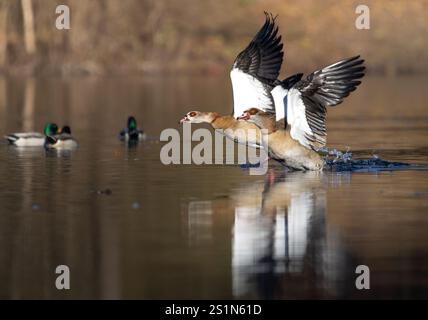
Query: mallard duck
64	129
304	107
131	132
32	139
254	74
62	140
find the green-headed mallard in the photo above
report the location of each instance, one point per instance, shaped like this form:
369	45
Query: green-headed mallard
62	140
131	132
32	139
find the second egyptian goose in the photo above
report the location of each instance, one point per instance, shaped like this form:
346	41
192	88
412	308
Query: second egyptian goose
254	74
280	145
304	111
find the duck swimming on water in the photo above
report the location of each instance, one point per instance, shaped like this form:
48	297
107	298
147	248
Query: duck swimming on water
32	139
62	140
132	132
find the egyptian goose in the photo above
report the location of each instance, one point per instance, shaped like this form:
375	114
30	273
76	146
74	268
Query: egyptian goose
62	140
302	104
253	75
32	139
132	132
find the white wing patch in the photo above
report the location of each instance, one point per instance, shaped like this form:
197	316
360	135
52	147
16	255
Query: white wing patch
248	92
278	94
296	118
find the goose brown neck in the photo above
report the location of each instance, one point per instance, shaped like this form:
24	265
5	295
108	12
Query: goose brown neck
265	122
223	122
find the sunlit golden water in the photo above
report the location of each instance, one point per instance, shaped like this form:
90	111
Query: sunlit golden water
189	231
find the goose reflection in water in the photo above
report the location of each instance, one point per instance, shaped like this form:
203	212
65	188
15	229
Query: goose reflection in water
281	244
282	247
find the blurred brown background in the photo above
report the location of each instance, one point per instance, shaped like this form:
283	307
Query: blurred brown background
150	36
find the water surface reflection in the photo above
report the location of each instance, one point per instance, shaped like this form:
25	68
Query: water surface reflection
280	242
207	232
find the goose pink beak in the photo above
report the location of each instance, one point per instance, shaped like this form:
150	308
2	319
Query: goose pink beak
244	116
185	119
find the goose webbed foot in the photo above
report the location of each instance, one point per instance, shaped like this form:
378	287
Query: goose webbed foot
248	165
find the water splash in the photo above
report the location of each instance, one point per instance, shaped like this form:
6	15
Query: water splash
335	155
343	161
339	161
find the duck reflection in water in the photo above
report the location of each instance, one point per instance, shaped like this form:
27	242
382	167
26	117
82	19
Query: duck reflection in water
281	244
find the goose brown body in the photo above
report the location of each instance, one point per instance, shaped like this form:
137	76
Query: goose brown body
281	146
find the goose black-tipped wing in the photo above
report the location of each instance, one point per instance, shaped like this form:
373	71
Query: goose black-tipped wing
307	100
256	69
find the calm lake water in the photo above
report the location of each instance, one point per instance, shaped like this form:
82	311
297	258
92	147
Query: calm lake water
212	231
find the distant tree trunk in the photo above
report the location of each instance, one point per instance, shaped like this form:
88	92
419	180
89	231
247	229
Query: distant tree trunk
29	99
3	31
3	102
29	35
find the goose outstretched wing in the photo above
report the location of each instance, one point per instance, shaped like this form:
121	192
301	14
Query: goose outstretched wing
306	101
256	69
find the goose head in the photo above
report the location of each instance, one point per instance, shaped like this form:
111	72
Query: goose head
199	117
260	118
